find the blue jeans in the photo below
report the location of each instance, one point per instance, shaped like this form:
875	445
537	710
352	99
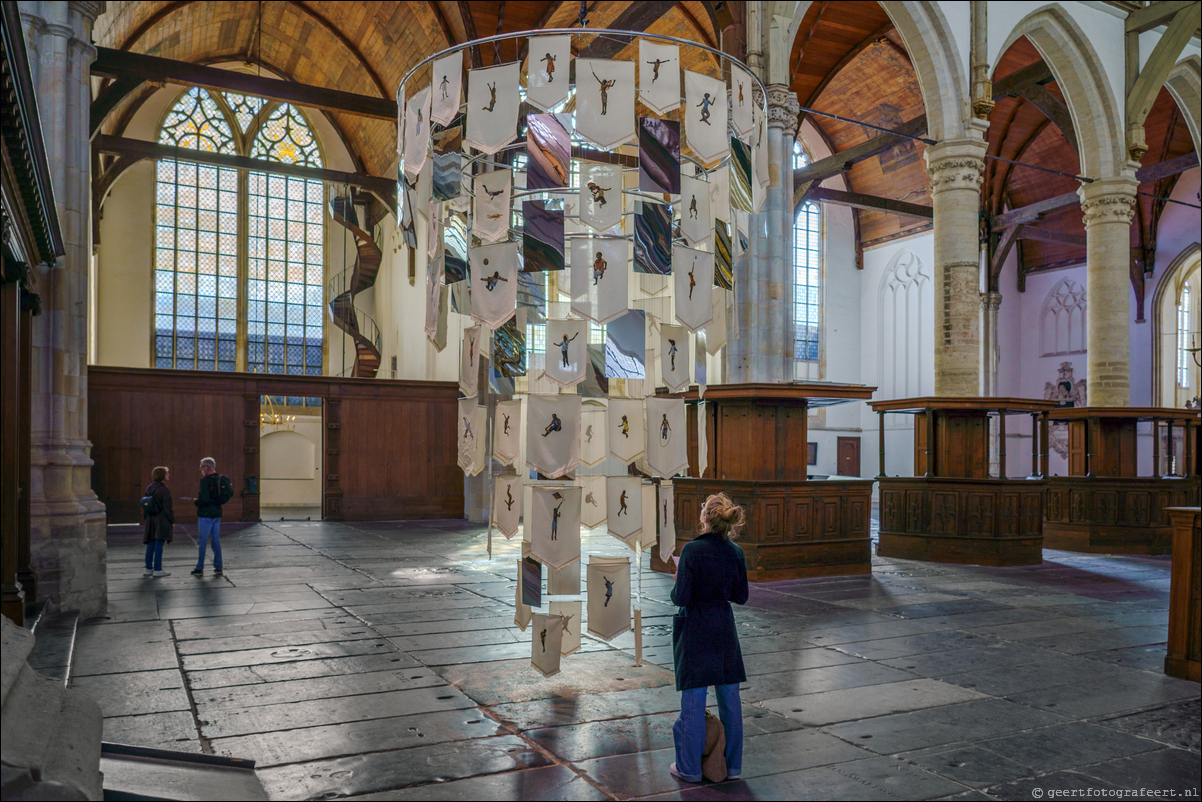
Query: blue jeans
689	730
154	555
209	528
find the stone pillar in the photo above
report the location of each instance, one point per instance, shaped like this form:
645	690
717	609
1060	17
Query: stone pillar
990	303
956	167
761	345
67	520
1108	206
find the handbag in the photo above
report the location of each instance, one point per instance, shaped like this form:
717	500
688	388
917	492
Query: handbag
713	756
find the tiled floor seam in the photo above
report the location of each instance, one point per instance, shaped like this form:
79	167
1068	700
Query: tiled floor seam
205	745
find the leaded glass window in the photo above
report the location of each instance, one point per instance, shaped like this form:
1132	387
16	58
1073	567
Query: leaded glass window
1183	357
807	253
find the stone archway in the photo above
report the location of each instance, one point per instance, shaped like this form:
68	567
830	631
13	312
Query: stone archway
1185	85
1168	287
1097	116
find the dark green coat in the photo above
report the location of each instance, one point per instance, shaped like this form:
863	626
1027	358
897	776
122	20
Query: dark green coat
705	648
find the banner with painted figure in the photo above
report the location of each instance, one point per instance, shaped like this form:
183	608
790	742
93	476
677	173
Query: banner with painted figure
433	297
608	586
469	360
547	69
521	611
667	438
507	431
696	220
447	82
694	279
555	525
715	330
494	283
567	351
605	102
553	434
705	117
493	192
742	101
433	229
592	504
601	195
760	160
719	184
572	620
492	107
593	443
703	447
507	504
648	536
564	581
625	429
659	76
600	277
624	508
417	132
546	643
471	436
666	512
674	357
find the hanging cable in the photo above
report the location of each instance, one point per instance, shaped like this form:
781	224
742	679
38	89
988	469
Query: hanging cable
921	139
1041	169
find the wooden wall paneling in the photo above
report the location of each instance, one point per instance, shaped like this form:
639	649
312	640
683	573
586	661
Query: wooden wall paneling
331	432
922	444
25	573
12	599
1184	652
793	434
250	490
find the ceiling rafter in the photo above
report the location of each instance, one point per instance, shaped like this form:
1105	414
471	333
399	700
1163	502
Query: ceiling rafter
856	50
696	25
469	29
443	23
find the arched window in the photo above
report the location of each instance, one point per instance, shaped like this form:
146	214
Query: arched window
1062	324
903	327
228	239
1183	334
807	266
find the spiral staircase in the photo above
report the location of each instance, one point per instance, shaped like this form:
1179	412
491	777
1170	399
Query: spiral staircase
342	291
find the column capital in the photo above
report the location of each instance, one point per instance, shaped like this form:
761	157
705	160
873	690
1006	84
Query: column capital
88	9
956	164
1108	200
783	108
991	301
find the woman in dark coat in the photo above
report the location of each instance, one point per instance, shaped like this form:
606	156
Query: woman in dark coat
159	525
705	645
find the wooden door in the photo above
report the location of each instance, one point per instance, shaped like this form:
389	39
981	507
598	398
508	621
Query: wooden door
848	456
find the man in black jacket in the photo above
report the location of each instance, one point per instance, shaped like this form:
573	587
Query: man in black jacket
208	515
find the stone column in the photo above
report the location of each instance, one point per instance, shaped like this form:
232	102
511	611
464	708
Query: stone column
956	167
67	521
1108	206
762	348
990	303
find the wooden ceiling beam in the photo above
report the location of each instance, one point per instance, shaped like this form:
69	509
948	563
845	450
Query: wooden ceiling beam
1037	73
1165	169
1046	235
1049	106
119	65
842	160
697	26
1154	15
469	29
872	203
447	33
347	43
638	16
856	50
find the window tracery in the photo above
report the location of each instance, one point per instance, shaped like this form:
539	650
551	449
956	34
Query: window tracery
1062	323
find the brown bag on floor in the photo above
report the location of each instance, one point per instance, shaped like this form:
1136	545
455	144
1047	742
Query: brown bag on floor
713	756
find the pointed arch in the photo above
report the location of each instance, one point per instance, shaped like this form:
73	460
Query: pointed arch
905	343
936	57
1168	288
1185	85
1097	116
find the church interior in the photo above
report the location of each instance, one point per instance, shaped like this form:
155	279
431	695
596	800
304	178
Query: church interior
475	304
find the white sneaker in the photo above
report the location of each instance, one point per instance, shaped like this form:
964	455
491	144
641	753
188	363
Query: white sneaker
148	572
162	573
672	770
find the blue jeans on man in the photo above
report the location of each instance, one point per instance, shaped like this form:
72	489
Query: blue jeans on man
209	529
689	730
154	555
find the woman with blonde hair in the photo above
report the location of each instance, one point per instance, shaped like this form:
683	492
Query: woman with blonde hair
705	646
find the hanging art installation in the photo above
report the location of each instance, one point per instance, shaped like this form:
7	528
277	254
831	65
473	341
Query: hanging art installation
469	361
548	68
599	277
507	431
624	508
705	116
492	107
555	525
447	86
547	643
600	196
667	440
666	511
696	222
608	596
567	351
659	76
507	504
703	448
625	429
570	613
471	436
417	132
493	193
592	502
553	434
494	283
694	287
593	442
674	357
605	102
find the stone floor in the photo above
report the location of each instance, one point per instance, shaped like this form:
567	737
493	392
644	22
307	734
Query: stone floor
380	660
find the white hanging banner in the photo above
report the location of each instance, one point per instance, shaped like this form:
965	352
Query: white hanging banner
715	330
760	159
469	360
507	504
447	80
567	351
667	437
648	536
592	433
659	76
433	230
696	221
703	449
719	184
417	132
625	428
471	436
601	195
492	107
674	357
521	612
705	117
592	505
434	289
555	525
694	279
507	431
570	613
600	277
553	434
546	643
624	508
493	192
666	512
605	101
547	70
742	101
494	283
608	596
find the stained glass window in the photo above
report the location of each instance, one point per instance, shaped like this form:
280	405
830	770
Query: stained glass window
807	254
1183	357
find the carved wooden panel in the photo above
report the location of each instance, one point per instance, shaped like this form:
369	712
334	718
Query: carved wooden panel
944	512
1079	508
1136	508
802	519
915	511
1010	514
770	524
891	510
832	520
978	514
1105	506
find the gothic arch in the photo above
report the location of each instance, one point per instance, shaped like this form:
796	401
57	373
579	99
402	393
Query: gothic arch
1167	287
1097	116
1062	320
1185	85
904	341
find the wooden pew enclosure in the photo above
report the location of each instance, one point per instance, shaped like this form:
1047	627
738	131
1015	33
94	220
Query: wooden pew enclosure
388	446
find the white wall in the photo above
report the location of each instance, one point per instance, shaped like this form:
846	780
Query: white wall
124	290
290	464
